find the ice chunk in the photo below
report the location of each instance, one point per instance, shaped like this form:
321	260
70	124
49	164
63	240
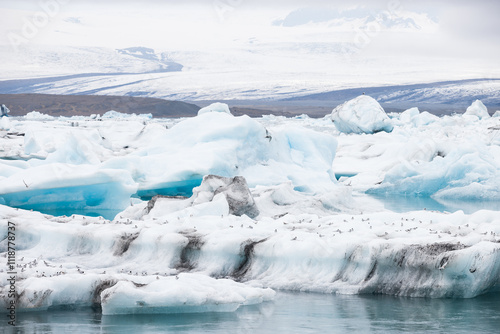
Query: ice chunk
408	114
77	260
220	144
4	110
496	114
53	186
112	114
467	172
424	118
38	116
184	293
362	114
215	107
216	195
73	290
477	108
4	123
416	118
235	190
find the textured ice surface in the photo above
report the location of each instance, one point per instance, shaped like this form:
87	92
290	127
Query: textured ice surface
149	159
477	108
118	115
4	123
187	263
362	114
50	186
183	293
215	107
215	196
310	233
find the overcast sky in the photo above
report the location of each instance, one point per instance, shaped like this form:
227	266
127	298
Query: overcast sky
467	30
473	19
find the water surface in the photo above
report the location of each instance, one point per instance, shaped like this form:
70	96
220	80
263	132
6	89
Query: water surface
291	313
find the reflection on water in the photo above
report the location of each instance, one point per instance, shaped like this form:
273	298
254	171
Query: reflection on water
292	313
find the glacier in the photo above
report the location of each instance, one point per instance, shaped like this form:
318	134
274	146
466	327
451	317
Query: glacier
214	212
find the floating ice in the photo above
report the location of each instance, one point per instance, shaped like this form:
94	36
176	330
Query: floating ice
477	108
215	107
221	144
216	195
112	114
416	118
424	118
235	190
362	114
467	173
165	161
496	114
53	186
311	233
188	264
4	110
4	123
407	115
38	116
184	293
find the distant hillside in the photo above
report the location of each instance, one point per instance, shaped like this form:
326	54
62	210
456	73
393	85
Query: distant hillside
438	97
85	105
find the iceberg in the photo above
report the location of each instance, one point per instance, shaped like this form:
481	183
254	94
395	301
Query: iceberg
470	172
416	118
4	123
169	264
112	114
216	195
4	110
156	160
407	115
221	144
184	293
362	114
477	108
215	107
217	211
54	186
38	116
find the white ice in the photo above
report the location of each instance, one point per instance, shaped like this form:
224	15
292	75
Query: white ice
292	226
215	107
477	108
362	114
4	123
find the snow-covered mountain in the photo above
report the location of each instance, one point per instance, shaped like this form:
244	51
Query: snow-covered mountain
245	55
359	18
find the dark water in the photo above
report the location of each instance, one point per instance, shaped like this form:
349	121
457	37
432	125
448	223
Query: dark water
291	313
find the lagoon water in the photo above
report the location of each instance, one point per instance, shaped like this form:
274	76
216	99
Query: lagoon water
291	313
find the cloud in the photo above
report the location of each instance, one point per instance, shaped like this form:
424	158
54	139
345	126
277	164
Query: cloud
473	21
